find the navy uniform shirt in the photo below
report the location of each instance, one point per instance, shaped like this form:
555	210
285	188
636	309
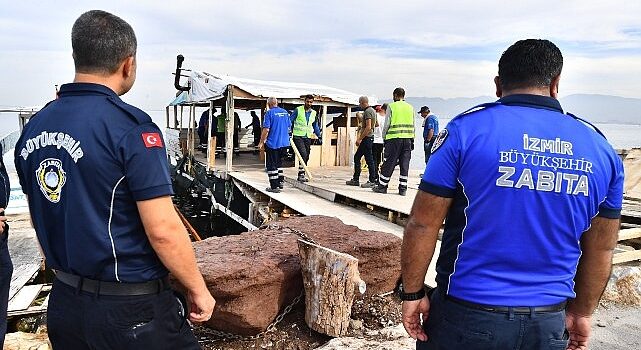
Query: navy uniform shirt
526	181
83	161
5	191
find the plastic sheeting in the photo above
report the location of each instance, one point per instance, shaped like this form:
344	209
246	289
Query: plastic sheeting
205	87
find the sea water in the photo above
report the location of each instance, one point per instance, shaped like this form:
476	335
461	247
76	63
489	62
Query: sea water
619	135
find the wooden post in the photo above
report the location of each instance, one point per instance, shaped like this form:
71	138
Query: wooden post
175	117
211	143
330	279
325	147
167	117
261	155
348	150
229	129
299	159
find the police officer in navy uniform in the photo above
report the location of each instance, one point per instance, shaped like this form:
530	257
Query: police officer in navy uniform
531	199
96	176
6	267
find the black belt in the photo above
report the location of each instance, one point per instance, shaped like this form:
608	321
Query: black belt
113	288
509	309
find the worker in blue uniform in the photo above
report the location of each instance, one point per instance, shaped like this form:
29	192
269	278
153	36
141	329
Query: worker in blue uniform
304	124
6	267
430	130
531	199
275	140
95	173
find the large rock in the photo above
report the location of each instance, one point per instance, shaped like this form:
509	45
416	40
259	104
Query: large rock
256	274
378	253
252	276
624	286
26	341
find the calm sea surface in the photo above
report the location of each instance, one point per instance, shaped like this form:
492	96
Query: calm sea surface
619	135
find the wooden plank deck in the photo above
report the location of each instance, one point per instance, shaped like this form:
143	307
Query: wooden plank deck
332	180
25	252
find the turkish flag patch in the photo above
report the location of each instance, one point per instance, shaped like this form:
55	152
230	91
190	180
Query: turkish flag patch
151	139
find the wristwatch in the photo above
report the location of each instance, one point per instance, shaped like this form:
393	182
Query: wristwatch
410	296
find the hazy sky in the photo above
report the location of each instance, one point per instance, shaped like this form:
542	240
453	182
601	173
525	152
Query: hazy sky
432	48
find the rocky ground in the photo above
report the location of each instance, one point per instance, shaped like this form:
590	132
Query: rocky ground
370	315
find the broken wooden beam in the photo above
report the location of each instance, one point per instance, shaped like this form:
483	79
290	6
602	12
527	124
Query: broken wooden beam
331	280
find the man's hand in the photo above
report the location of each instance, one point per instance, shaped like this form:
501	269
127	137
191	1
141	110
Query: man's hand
414	314
261	146
358	142
3	221
579	328
201	306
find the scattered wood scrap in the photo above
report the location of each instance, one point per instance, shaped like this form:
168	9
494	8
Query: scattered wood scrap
630	238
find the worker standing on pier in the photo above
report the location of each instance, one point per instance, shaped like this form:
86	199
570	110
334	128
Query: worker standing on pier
6	267
256	129
220	133
275	140
364	142
398	133
95	173
532	199
379	143
430	130
304	125
203	126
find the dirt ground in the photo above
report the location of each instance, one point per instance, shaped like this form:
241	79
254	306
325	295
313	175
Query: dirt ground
369	313
616	328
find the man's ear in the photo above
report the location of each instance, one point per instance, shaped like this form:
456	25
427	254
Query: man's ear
499	91
554	86
128	67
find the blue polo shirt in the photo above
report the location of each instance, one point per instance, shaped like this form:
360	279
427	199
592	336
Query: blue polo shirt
84	161
278	123
526	181
430	123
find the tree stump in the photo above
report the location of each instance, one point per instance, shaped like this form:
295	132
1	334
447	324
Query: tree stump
330	279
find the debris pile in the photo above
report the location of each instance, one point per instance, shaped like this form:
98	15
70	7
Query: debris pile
256	274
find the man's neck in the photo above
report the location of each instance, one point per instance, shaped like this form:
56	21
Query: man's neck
543	91
107	81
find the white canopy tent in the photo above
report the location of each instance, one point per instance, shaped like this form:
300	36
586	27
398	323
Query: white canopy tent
206	87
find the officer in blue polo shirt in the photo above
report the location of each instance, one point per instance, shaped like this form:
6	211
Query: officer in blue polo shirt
95	173
6	268
531	199
275	140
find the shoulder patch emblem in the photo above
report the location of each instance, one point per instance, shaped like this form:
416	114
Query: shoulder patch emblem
51	177
440	138
151	139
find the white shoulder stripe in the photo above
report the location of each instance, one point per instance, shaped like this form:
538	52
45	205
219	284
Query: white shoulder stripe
111	212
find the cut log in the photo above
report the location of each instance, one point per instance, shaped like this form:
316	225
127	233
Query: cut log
331	280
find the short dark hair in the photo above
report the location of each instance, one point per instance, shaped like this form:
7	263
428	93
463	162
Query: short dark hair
101	41
529	63
309	97
384	106
399	91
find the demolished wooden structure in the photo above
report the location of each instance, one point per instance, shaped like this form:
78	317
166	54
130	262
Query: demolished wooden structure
230	94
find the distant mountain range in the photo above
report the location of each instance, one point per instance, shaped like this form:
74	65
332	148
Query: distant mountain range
595	108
